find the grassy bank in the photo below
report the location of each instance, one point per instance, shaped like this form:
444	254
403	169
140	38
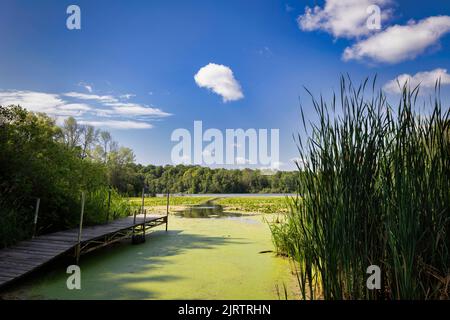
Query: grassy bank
238	204
254	204
173	200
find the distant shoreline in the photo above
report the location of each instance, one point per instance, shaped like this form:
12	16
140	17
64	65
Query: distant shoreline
228	195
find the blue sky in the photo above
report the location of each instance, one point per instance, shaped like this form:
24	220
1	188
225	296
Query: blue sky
131	67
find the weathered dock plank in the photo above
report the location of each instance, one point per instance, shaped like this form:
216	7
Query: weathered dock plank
28	256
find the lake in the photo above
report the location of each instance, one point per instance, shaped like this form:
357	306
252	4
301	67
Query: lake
198	258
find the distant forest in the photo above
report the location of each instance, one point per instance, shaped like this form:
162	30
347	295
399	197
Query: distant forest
196	179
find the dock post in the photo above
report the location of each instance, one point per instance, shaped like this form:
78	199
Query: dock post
136	239
109	205
167	208
83	198
36	213
144	212
133	237
144	224
143	199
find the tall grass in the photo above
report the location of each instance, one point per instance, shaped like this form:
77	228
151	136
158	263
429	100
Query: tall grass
96	208
16	217
374	189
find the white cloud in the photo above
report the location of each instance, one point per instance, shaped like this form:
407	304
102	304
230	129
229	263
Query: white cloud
119	115
118	124
134	109
288	7
120	108
426	79
272	169
127	96
277	165
219	79
241	161
85	96
400	42
88	87
34	101
76	106
72	110
50	104
342	18
186	160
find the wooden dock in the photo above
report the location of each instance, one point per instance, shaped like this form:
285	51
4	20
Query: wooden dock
28	256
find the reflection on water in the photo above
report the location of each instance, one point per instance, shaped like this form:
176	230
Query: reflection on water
206	210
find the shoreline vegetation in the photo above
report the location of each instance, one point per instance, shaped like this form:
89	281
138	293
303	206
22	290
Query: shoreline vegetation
242	204
375	188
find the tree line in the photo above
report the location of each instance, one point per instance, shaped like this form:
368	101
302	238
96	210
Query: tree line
197	179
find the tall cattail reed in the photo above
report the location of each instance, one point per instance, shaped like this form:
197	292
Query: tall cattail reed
374	189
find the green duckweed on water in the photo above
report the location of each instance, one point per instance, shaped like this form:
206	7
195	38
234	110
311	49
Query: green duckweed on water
196	259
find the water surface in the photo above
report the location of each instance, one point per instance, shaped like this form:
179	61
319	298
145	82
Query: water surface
209	209
196	259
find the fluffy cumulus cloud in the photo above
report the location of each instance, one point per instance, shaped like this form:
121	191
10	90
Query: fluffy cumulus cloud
393	44
342	18
219	79
426	79
400	42
99	110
